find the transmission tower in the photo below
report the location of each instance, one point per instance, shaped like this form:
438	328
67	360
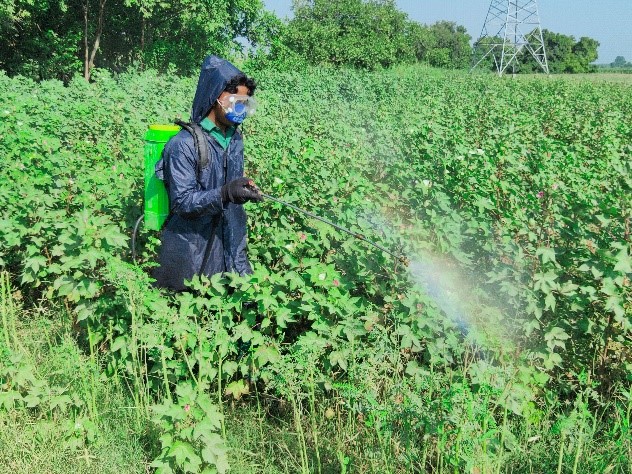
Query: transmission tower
511	27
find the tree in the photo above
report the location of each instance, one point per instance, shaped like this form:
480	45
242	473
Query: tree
586	52
486	53
371	33
363	34
452	46
564	54
422	40
60	38
620	62
35	40
179	33
90	52
559	49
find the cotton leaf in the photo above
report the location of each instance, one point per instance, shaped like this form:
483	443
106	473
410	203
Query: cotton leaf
237	389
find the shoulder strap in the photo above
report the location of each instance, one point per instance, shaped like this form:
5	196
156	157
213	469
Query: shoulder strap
201	145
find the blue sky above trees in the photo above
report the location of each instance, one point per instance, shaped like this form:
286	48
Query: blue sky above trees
607	21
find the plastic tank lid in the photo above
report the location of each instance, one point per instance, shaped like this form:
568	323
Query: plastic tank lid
164	128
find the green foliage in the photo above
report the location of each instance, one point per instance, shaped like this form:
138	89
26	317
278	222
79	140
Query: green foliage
620	62
451	47
370	34
619	66
350	32
524	215
62	38
565	54
585	50
58	413
45	40
191	440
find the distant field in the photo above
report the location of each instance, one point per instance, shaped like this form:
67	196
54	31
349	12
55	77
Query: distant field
621	78
615	78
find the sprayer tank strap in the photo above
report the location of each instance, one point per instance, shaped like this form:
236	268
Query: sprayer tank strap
201	146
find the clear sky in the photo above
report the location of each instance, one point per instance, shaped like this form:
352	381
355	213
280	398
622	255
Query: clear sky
607	21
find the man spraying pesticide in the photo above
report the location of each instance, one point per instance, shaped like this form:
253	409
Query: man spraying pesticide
195	187
202	169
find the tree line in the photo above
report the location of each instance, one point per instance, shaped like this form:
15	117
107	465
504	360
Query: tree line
60	38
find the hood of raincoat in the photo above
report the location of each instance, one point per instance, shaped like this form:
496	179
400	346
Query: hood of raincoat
215	74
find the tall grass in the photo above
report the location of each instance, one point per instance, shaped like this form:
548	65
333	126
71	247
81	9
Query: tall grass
69	417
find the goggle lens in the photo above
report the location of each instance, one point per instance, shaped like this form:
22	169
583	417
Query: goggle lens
242	103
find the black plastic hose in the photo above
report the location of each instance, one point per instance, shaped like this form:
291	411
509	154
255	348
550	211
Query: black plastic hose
134	233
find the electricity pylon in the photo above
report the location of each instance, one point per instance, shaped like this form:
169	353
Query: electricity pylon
511	27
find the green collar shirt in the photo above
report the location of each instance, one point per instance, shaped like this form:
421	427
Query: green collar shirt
223	140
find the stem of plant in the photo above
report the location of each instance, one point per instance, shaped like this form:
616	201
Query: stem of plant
7	306
312	409
301	436
577	454
165	377
561	456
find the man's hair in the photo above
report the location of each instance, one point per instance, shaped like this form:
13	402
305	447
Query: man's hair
241	80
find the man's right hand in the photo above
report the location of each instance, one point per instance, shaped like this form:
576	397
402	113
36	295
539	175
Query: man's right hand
240	191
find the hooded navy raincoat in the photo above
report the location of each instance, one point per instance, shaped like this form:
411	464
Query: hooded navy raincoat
202	235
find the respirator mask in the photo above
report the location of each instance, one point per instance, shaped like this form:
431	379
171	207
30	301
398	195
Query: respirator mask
238	107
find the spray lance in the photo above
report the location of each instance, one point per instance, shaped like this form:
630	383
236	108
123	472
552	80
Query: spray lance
401	258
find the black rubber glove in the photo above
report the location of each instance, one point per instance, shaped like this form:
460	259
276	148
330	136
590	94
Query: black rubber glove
240	191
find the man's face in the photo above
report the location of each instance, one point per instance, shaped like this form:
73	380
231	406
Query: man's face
220	113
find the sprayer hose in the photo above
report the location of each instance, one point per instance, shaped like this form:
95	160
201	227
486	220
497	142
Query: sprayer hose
134	233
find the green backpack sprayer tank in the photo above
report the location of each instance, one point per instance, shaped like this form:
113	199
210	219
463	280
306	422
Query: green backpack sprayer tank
156	206
156	198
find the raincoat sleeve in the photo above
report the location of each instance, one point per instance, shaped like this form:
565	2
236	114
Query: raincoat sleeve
186	197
